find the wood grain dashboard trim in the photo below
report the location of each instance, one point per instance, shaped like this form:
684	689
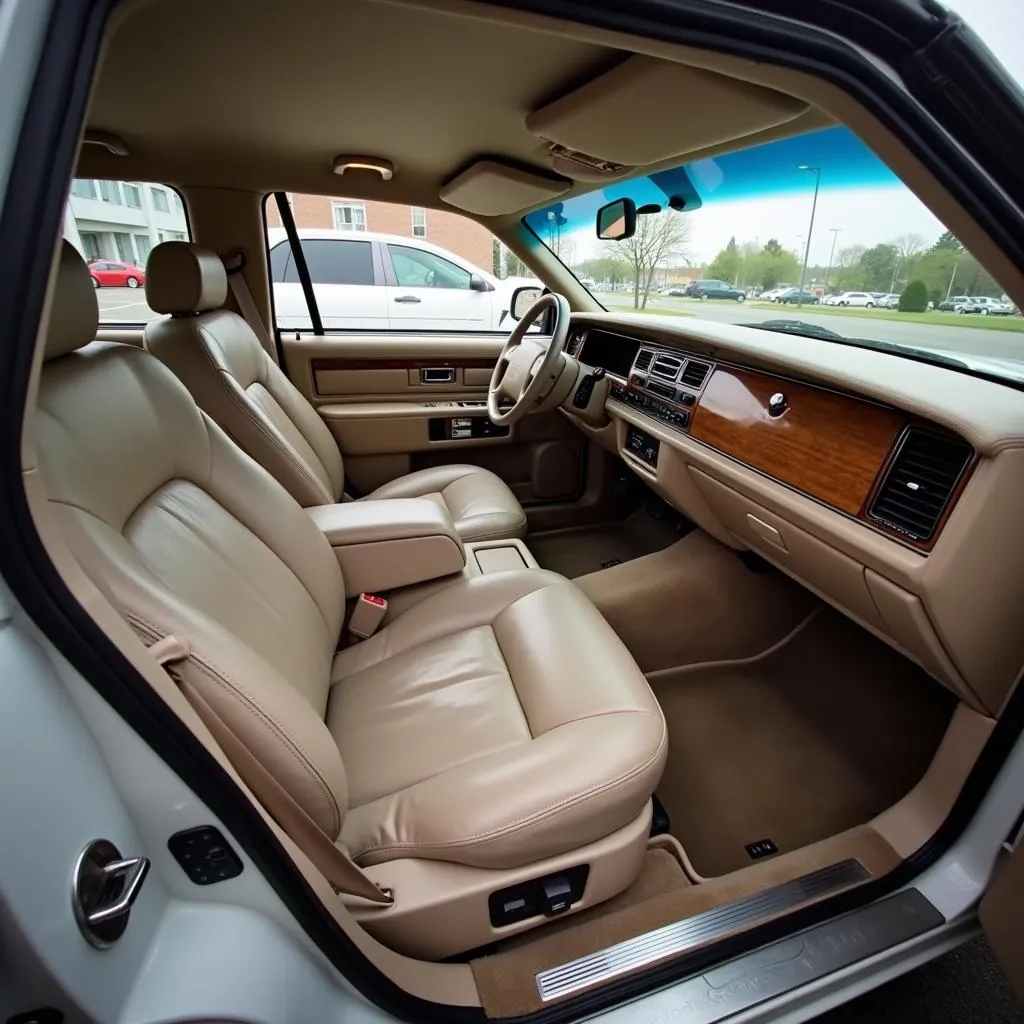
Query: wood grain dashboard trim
825	444
364	363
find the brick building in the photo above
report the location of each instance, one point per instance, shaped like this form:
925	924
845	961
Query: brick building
451	231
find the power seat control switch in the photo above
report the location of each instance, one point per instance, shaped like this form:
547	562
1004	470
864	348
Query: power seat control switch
557	896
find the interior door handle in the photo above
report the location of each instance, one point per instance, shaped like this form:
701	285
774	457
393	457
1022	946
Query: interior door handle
407	298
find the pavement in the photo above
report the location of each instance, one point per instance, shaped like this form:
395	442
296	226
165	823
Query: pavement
966	986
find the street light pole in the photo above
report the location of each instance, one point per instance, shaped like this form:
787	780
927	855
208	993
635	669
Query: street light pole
832	254
810	228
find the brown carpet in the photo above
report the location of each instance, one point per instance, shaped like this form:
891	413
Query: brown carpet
696	601
505	980
811	739
585	550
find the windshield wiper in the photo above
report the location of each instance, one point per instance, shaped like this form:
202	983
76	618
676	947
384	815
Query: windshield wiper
923	355
798	327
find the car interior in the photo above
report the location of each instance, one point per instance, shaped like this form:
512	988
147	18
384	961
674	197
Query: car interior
662	635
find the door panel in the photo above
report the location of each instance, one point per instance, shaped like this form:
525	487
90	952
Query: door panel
396	404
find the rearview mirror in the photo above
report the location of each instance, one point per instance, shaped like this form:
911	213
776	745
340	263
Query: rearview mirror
617	220
522	299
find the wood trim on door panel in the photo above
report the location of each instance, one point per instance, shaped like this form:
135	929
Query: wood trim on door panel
830	446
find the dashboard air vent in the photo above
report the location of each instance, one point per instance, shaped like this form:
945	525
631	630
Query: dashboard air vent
694	375
666	366
920	482
644	360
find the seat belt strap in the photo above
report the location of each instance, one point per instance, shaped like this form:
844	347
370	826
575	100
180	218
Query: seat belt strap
336	867
233	264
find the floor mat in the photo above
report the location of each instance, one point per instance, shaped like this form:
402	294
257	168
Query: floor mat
811	739
589	549
696	601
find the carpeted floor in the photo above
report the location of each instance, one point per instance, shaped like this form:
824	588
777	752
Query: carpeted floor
813	738
587	549
696	601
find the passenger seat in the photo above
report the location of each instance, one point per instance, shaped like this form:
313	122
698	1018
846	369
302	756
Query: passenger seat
495	734
220	360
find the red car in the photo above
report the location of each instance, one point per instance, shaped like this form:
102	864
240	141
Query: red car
114	274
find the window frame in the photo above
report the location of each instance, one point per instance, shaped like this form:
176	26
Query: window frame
337	205
422	212
161	192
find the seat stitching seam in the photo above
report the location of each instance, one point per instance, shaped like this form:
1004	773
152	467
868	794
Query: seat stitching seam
529	819
242	407
228	685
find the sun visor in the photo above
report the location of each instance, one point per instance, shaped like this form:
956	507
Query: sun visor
491	188
646	110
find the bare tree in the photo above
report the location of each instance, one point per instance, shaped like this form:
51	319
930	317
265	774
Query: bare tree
659	238
908	246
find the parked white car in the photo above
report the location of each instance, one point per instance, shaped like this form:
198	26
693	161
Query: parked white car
368	281
864	299
985	306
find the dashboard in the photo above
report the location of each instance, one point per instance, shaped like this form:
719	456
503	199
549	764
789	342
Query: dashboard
870	478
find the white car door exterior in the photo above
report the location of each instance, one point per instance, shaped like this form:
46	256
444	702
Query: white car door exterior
349	292
431	293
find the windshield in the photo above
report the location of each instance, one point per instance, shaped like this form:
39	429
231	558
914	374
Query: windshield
810	235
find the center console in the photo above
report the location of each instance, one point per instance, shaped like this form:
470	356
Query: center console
386	545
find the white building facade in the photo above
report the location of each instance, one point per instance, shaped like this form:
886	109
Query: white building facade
122	220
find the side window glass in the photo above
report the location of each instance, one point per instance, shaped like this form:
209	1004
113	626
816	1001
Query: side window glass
115	225
417	268
281	264
336	262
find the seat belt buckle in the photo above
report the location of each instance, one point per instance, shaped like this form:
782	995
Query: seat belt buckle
367	615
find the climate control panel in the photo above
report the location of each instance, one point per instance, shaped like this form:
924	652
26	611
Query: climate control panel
652	406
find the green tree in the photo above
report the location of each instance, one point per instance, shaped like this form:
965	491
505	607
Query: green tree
947	242
775	265
727	264
879	267
914	298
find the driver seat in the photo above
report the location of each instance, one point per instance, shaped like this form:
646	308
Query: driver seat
216	355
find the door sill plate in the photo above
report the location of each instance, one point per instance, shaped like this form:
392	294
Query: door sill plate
671	940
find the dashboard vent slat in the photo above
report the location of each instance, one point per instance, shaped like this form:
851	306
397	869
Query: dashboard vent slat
919	483
644	360
694	375
666	366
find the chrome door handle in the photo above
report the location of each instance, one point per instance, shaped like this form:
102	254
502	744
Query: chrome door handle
407	298
132	872
103	889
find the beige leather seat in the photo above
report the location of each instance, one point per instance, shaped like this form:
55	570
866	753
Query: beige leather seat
490	728
221	361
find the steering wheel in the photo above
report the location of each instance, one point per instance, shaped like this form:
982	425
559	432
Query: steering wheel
528	367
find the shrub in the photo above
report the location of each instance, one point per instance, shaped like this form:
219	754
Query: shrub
914	298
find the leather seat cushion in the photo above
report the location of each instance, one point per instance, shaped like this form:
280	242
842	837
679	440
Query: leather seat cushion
479	502
462	724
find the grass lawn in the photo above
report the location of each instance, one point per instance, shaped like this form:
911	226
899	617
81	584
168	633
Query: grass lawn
932	317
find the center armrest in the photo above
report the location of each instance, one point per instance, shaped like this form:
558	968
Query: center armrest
383	545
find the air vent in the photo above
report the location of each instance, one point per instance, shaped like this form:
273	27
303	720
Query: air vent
920	481
694	375
644	360
657	388
666	366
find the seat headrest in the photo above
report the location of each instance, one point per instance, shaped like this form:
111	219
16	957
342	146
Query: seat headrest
183	278
74	312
